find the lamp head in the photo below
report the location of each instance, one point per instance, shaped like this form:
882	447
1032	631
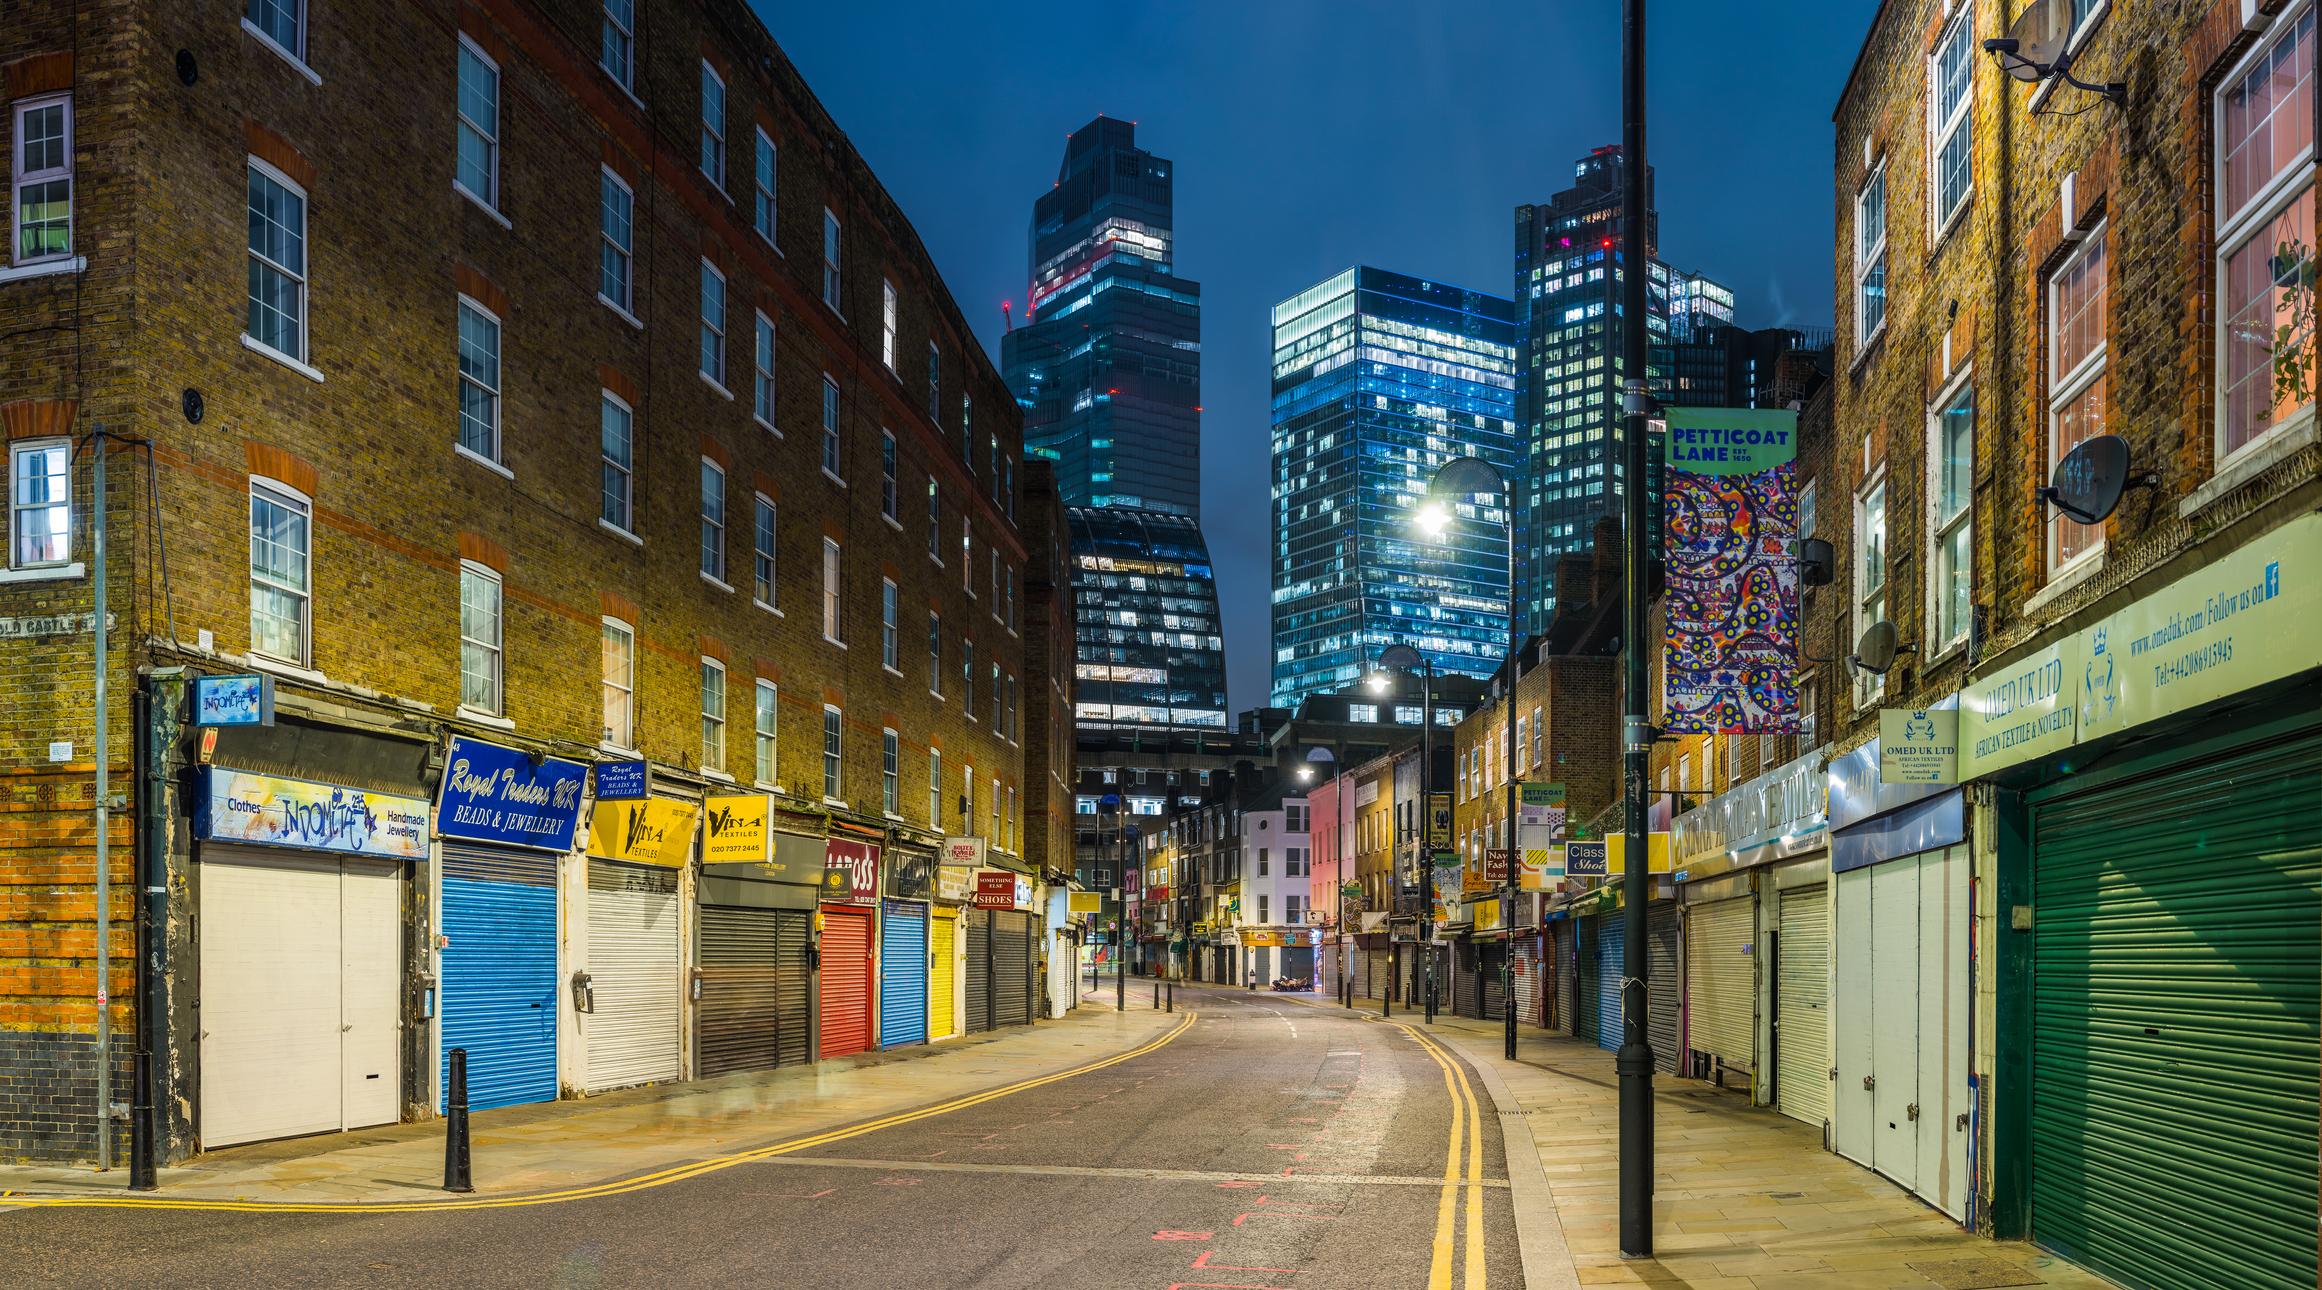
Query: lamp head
1433	519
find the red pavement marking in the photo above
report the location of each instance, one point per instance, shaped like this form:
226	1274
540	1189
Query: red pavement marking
1205	1265
1171	1234
1326	1218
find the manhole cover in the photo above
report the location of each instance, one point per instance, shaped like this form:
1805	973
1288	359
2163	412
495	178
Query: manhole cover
1977	1274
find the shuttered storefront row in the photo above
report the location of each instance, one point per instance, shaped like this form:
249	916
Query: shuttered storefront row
2176	967
942	974
632	1034
1802	1005
846	980
902	973
499	973
1719	1018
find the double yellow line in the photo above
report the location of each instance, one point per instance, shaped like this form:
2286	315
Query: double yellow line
617	1187
1467	1125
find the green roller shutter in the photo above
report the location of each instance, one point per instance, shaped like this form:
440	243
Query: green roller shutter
2176	1009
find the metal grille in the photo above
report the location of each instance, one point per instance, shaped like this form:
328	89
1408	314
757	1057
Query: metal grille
632	1036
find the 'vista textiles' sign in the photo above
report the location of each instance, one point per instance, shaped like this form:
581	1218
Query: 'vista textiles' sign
654	831
496	794
269	810
737	830
1729	502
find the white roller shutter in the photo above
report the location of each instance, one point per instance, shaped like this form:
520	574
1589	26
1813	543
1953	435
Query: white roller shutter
1718	984
631	1036
1802	1005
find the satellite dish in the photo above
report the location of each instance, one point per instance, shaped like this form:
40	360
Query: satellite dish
1875	652
2089	481
1817	563
2041	34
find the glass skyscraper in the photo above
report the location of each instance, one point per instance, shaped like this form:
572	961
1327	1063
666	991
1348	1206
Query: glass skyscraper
1379	379
1148	647
1107	359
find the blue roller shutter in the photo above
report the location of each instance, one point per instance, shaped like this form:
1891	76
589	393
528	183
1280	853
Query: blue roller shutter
902	973
1611	938
499	973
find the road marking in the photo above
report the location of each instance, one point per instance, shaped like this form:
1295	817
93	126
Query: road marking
1446	1211
1466	1116
644	1182
1220	1178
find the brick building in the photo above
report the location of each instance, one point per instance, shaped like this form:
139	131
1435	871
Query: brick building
350	453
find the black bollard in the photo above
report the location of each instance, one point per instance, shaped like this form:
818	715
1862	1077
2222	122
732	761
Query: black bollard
141	1149
455	1119
1156	994
1172	995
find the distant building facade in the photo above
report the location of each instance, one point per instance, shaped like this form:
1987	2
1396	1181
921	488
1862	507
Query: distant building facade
1148	644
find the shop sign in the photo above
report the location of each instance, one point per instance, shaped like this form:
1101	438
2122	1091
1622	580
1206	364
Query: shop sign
270	810
1531	795
910	874
654	831
1157	893
1496	865
850	872
1918	745
621	781
2018	713
965	852
737	829
246	700
1472	880
501	795
1585	860
1486	914
1259	938
1084	902
1543	867
1438	820
995	889
1656	852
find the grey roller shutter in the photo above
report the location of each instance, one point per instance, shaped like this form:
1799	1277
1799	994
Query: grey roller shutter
979	970
1011	969
1719	990
1802	1005
1663	986
632	1035
737	1025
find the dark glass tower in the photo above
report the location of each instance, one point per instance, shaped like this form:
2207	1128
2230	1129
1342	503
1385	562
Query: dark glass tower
1379	379
1148	647
1107	360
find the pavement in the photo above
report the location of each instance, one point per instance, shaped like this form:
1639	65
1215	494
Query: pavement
1743	1198
1245	1142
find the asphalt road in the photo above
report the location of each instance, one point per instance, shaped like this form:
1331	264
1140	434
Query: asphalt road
1271	1144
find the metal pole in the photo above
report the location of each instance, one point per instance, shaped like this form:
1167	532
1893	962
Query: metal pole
104	826
1508	891
1120	944
1427	860
1634	1062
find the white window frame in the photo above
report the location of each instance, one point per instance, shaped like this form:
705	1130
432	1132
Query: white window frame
300	279
493	649
488	131
967	799
626	32
1871	257
491	456
1868	686
295	51
935	789
834	459
713	329
890	310
935	654
833	754
713	526
626	524
762	372
891	772
765	720
625	252
62	565
713	717
890	626
2237	228
765	557
833	591
276	493
935	384
889	470
1940	527
624	737
1959	121
765	163
20	178
934	520
713	127
2063	387
833	252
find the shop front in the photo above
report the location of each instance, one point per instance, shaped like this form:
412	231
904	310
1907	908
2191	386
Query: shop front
947	937
848	946
631	992
761	871
504	825
301	892
2160	869
1003	932
903	946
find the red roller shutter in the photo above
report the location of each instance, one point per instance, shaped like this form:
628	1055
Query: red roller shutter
846	980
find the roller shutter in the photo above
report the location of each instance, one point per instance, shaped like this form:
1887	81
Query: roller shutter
1611	935
942	974
1531	982
1564	977
738	1023
1665	992
1382	970
632	1034
1011	969
1490	957
1802	1005
1719	1018
1061	968
1359	971
847	970
979	971
2175	975
499	974
902	973
1466	983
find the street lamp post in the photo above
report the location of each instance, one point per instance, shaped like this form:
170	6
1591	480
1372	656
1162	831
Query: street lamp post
1463	477
1406	658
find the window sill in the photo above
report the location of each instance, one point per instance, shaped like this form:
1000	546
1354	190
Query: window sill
1944	655
619	532
897	673
768	426
839	802
45	573
936	695
826	474
718	775
718	582
1869	346
829	639
892	522
621	311
260	347
291	670
608	746
934	559
479	203
482	718
1950	224
297	63
715	384
627	91
43	268
462	450
2253	459
2064	580
768	239
768	608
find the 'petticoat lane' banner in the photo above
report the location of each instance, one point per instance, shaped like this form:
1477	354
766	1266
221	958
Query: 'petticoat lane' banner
1730	501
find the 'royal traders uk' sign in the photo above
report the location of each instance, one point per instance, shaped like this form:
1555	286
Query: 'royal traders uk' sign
500	795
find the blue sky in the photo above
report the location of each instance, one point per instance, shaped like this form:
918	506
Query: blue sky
1310	136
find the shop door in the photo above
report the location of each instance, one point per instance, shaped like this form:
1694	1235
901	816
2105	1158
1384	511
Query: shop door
942	974
738	1024
1466	985
1564	977
1490	959
2175	962
979	971
1531	981
1720	1021
1382	970
794	986
1664	990
632	1032
1264	966
1802	1006
1360	962
301	961
1901	1019
902	973
846	980
1011	969
499	974
1611	935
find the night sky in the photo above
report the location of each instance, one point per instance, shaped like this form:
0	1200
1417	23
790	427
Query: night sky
1310	136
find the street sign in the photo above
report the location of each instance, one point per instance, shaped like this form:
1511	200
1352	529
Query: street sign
1585	859
1438	820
